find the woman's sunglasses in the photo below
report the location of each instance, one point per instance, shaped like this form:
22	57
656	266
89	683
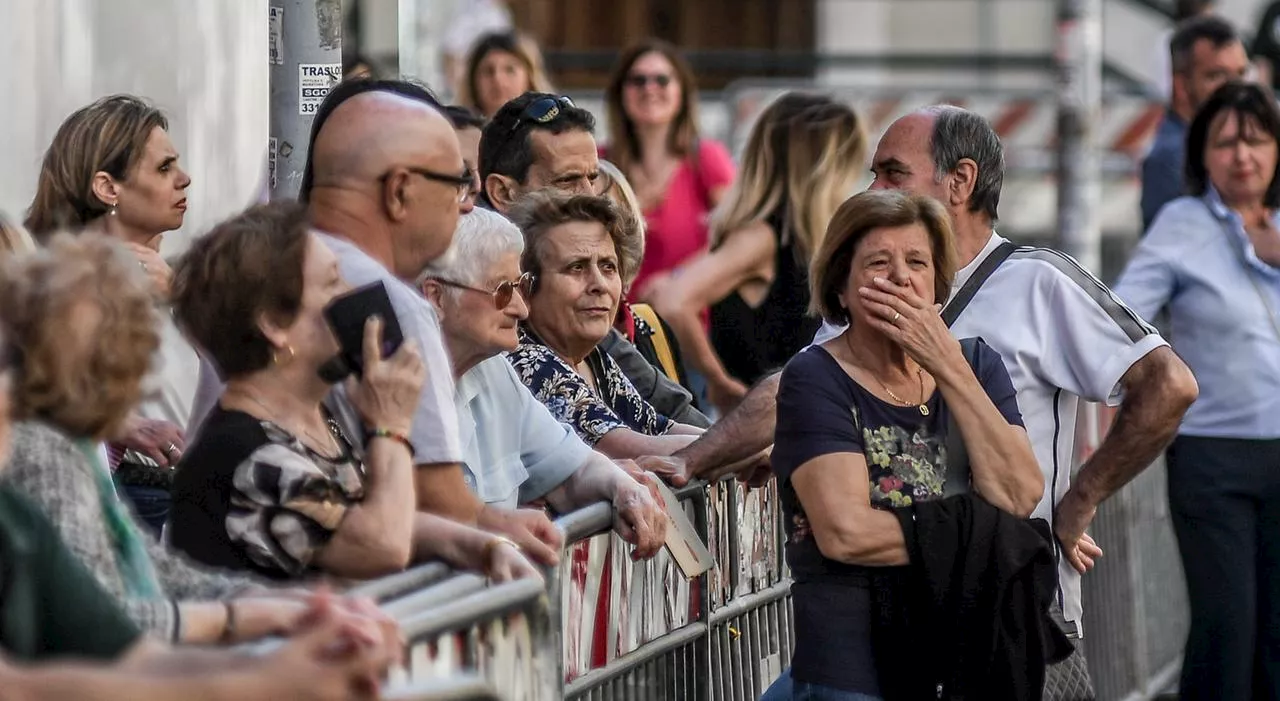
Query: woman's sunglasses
502	294
640	80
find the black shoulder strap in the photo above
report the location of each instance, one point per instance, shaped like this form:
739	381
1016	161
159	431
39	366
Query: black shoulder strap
957	481
962	298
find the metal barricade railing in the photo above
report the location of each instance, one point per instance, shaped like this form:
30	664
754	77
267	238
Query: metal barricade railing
604	627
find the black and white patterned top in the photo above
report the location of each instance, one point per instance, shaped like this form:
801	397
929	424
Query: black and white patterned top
571	399
250	495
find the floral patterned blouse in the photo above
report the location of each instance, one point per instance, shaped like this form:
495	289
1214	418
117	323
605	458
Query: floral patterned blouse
572	400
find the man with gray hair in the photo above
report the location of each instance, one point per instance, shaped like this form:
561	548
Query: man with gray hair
1062	335
513	450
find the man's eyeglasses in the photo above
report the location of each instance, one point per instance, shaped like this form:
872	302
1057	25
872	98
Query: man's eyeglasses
640	80
465	183
543	111
502	294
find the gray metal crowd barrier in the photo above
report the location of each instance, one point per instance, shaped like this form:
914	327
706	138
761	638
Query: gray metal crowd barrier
725	635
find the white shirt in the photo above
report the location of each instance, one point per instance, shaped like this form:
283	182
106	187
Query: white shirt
514	450
169	388
1063	336
435	421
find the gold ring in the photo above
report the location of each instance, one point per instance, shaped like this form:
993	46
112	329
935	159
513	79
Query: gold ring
896	316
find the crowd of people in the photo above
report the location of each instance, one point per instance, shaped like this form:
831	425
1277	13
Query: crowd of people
195	454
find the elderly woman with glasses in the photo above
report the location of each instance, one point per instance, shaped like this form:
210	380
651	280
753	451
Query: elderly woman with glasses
571	249
515	451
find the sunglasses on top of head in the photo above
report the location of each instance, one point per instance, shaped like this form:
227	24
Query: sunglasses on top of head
541	111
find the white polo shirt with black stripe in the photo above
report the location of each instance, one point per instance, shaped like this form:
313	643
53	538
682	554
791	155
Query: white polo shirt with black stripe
1063	336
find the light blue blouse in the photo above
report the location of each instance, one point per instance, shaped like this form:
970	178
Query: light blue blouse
514	450
1198	261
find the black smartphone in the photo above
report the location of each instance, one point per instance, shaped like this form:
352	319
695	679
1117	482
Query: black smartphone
347	315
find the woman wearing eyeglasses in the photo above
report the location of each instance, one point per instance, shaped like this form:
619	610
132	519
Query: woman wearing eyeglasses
678	177
514	449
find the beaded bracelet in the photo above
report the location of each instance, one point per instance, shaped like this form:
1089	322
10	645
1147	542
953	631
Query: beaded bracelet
392	435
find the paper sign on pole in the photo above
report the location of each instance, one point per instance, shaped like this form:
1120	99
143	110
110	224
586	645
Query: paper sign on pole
315	80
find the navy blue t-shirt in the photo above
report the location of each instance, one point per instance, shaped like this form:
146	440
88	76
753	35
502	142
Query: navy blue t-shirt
822	410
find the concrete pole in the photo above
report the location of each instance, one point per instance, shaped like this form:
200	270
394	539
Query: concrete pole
306	61
1079	63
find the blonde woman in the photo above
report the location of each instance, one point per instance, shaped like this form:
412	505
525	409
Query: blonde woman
804	156
500	68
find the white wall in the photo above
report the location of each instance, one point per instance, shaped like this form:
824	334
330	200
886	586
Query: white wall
204	63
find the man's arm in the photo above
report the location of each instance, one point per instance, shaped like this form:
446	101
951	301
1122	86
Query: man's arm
441	489
737	437
1158	389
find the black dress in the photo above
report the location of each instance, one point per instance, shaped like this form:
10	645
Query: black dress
755	341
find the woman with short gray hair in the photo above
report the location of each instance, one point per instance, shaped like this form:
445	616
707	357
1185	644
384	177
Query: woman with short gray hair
514	449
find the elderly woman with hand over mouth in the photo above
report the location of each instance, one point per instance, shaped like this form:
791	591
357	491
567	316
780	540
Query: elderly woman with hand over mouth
576	273
515	450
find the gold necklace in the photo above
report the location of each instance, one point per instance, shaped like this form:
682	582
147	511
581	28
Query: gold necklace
330	444
921	405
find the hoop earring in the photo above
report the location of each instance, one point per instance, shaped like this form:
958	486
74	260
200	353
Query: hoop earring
275	359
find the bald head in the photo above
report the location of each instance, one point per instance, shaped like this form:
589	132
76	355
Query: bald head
382	166
372	132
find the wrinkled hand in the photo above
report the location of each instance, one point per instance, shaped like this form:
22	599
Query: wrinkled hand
1072	517
918	327
388	391
332	658
757	471
639	518
536	535
672	469
157	270
508	564
159	440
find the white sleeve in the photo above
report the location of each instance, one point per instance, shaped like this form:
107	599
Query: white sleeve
435	420
1088	338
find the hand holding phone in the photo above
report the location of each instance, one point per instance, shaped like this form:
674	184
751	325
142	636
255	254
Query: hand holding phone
387	395
347	316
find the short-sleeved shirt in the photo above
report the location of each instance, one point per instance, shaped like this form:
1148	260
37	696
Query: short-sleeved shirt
822	411
514	450
250	496
50	605
435	422
1199	263
570	398
676	229
1063	336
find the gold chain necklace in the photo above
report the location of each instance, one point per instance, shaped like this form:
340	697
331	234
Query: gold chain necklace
329	445
922	405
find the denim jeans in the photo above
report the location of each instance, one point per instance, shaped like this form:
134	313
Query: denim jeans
787	689
151	504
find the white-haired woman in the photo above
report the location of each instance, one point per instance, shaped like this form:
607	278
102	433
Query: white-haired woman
515	451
